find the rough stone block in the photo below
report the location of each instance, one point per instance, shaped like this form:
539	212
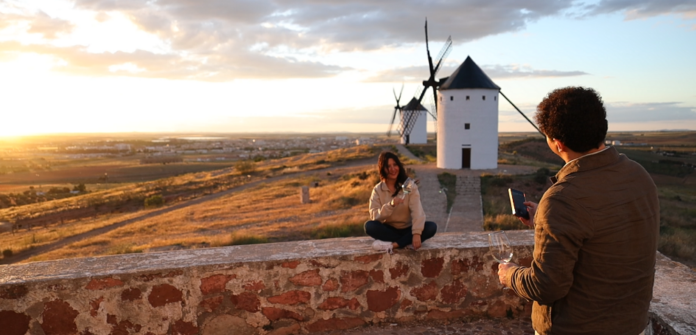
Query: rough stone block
275	314
307	278
291	298
453	293
338	302
377	276
426	292
103	283
431	268
353	280
164	294
247	301
399	270
59	318
13	323
378	301
330	285
335	324
215	283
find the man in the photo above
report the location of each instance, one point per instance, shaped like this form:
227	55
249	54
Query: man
596	228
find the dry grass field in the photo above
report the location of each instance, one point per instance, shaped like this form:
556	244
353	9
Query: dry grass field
261	214
269	212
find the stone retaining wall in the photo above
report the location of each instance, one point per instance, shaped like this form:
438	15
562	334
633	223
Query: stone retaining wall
279	288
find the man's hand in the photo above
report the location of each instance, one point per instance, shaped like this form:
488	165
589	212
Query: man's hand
416	242
531	209
502	271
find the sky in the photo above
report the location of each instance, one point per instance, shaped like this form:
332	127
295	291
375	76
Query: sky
216	66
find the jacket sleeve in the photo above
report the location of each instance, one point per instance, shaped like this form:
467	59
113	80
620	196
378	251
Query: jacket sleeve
417	213
378	210
560	229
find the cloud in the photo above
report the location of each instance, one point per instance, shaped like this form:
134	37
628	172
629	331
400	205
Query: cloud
49	27
416	74
648	112
644	8
220	40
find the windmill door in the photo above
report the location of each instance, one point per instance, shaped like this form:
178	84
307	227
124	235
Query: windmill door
466	158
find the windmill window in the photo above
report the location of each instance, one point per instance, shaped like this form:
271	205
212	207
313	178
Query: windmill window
467	97
451	97
495	98
467	125
484	97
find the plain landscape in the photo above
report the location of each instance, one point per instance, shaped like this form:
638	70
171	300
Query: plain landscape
82	195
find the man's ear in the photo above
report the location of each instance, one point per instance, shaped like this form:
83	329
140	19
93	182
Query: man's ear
560	146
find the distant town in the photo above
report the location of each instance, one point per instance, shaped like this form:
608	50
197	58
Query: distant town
191	149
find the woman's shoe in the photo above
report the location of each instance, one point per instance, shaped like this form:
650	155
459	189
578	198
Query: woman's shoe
382	246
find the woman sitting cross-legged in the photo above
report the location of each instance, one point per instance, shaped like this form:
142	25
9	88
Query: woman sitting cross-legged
397	219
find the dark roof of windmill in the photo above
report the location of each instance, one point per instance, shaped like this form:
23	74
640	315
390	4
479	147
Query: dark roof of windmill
469	75
413	105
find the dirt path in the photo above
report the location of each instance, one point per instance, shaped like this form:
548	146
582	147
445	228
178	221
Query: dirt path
348	167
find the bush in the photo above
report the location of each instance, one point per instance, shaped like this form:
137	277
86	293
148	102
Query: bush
338	230
245	167
154	201
7	253
236	239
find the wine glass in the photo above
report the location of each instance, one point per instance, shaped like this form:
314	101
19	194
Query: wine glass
500	246
407	187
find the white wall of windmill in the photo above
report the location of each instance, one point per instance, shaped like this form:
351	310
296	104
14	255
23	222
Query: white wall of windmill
454	113
419	128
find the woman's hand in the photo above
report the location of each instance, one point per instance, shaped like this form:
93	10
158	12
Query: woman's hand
396	201
416	242
531	209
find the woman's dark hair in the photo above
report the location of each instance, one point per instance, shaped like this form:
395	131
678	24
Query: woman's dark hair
383	164
575	116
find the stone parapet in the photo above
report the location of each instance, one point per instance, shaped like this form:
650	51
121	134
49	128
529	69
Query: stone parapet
278	288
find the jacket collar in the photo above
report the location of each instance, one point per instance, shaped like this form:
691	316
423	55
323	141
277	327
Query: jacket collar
587	162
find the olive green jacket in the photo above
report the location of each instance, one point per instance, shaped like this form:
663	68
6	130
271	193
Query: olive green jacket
595	241
408	214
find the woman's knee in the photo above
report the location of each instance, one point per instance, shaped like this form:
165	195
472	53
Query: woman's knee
429	229
371	226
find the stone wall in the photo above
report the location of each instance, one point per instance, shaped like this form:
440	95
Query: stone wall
279	288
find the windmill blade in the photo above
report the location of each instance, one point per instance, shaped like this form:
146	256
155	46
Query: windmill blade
427	49
391	124
434	112
411	121
525	116
400	92
446	49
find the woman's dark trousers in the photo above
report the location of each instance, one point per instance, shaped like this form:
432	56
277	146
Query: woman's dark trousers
402	237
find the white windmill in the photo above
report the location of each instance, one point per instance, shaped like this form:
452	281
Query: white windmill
467	122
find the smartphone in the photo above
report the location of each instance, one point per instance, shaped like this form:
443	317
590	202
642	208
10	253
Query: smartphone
517	200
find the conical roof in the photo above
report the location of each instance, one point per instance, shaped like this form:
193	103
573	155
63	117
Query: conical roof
414	105
469	75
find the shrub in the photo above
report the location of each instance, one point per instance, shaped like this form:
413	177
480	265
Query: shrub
7	253
245	167
337	230
154	201
237	239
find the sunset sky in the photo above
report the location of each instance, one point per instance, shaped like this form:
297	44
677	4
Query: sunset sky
200	66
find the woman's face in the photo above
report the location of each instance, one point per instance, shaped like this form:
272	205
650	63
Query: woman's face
392	169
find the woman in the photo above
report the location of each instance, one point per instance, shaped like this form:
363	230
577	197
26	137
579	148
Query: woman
396	220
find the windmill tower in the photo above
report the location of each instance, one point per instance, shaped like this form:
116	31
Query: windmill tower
467	122
413	125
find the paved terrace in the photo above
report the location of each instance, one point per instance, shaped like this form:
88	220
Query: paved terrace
324	286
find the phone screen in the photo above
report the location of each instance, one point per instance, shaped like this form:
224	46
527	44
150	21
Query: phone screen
517	200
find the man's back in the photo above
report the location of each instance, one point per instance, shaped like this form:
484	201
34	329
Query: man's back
594	258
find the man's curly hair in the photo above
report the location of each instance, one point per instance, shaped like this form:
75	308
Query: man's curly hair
575	116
